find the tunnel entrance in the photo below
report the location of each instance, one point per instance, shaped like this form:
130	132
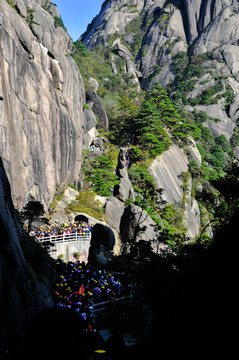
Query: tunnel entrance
81	218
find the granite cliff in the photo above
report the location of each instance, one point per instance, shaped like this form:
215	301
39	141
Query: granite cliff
189	47
43	130
151	35
42	122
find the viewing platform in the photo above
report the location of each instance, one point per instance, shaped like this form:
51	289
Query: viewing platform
65	238
67	245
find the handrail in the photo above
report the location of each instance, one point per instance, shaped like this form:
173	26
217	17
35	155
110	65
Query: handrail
103	306
65	237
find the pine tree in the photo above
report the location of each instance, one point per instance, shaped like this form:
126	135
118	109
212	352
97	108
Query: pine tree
149	126
102	176
33	210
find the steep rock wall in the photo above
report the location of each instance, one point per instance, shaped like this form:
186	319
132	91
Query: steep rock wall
195	28
167	169
204	33
42	125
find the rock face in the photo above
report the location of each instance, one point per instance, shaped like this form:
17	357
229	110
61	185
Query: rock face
149	37
167	171
124	190
113	17
222	29
19	292
165	29
130	67
114	210
137	225
42	124
98	109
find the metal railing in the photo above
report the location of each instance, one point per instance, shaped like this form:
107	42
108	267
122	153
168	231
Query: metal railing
65	237
99	309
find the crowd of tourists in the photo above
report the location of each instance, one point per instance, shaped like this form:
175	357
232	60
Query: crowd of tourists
128	150
88	185
128	155
98	148
80	227
68	330
78	288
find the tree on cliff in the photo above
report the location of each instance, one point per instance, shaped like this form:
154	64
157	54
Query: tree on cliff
102	176
33	210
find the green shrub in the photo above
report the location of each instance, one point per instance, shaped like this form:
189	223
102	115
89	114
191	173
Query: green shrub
11	3
79	48
59	22
85	202
173	219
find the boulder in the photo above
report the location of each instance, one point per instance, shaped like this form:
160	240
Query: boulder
97	108
114	209
137	225
90	120
132	73
99	141
94	84
124	190
101	245
123	51
114	68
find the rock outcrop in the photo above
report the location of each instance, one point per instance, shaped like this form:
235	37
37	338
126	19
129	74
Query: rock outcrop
126	218
114	209
149	37
113	17
94	101
101	245
165	29
124	190
42	124
130	67
136	225
167	170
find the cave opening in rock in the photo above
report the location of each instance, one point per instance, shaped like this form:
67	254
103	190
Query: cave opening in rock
81	218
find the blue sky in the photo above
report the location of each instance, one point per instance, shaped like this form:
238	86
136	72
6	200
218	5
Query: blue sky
77	14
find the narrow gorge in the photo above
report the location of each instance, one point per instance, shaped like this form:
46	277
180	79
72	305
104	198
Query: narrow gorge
133	127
